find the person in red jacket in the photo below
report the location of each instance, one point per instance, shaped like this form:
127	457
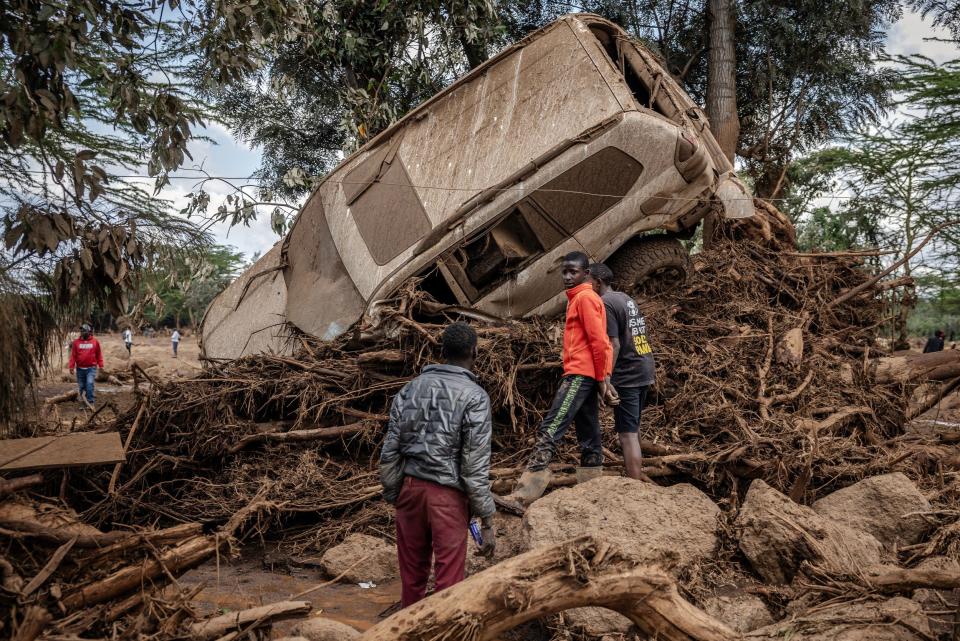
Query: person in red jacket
587	363
86	357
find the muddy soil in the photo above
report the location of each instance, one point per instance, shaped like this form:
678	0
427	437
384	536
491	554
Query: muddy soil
255	579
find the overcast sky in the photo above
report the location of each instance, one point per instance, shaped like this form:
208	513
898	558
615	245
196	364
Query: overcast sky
228	157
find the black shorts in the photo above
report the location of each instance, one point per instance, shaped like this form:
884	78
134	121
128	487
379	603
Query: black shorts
626	415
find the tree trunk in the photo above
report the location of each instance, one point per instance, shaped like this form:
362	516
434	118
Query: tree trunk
475	52
581	572
721	92
722	77
935	366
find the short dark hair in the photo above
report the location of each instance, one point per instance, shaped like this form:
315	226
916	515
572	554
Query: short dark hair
578	257
602	273
458	341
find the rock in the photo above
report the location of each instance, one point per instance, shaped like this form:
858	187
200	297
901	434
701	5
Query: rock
776	535
789	350
879	505
380	564
597	622
674	527
324	629
940	605
742	612
896	619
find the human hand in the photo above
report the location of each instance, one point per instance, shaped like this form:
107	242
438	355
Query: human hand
489	536
71	371
608	395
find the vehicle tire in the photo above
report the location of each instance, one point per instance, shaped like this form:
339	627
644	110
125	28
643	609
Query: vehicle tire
650	265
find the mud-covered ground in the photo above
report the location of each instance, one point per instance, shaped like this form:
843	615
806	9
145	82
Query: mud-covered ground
264	574
154	354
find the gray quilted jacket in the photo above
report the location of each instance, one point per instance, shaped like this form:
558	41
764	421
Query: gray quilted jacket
440	431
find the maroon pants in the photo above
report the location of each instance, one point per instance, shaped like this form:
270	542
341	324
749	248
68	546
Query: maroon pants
431	520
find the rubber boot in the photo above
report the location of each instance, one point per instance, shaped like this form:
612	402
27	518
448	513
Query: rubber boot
529	488
585	474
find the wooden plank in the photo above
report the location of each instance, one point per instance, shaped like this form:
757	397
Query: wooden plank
86	448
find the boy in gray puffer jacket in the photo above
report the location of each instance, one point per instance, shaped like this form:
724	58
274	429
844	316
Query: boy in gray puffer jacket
435	466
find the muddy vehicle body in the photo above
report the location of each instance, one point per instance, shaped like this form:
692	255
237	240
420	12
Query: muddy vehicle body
573	139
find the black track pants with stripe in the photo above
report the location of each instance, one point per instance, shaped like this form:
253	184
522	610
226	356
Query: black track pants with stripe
575	402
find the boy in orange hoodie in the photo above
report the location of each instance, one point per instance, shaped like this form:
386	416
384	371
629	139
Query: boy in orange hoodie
587	363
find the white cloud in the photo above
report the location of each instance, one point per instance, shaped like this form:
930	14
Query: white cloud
913	34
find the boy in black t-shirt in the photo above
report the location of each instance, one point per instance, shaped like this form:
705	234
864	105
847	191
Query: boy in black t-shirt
633	365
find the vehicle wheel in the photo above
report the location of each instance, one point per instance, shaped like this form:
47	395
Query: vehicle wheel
650	265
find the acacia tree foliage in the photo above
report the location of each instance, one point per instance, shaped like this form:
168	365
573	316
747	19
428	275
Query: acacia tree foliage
944	13
91	90
895	196
177	286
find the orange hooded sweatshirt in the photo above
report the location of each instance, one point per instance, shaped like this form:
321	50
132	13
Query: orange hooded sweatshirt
586	347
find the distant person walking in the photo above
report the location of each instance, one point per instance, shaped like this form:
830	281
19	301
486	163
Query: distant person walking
85	358
128	340
175	341
934	343
435	467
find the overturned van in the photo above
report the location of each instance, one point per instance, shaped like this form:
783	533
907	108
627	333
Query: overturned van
573	139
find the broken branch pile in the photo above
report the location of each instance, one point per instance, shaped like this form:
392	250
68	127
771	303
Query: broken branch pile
769	367
762	374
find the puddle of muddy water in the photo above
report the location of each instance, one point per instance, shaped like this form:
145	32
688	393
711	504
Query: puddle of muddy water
249	582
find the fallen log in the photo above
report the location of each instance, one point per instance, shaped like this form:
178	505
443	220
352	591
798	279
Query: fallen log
585	571
31	529
901	579
156	538
72	395
15	485
296	436
933	397
171	562
174	561
382	357
903	368
247	619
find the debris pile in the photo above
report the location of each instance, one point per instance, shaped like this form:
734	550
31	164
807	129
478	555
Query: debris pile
770	377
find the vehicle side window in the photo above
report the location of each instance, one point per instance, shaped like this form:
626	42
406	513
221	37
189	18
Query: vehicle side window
385	207
583	192
540	222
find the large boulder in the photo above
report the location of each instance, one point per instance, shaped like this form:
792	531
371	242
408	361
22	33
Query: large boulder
673	527
940	605
896	619
361	558
742	612
777	535
324	629
885	506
